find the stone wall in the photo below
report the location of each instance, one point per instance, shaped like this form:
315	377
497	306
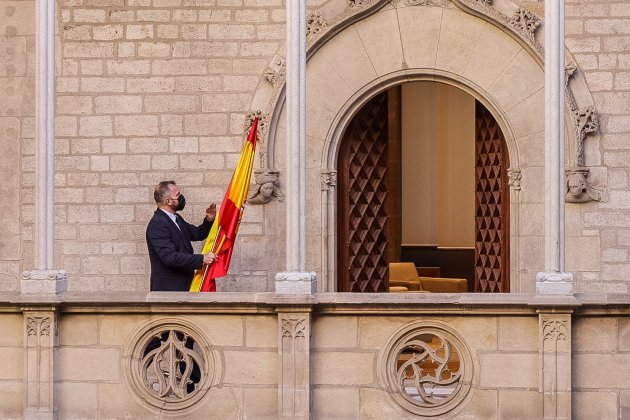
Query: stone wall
17	133
157	89
503	348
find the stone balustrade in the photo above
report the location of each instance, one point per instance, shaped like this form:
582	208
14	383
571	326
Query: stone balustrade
320	356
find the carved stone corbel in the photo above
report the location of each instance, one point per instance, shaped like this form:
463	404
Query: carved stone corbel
267	187
579	189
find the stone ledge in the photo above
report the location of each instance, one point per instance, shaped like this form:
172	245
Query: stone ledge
269	302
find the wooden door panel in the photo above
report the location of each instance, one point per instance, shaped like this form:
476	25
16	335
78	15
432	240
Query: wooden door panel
362	198
491	205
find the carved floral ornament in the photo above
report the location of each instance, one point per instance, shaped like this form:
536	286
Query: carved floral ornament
169	366
426	368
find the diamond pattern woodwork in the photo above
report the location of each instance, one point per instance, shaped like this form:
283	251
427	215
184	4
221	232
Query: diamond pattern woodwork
363	260
491	205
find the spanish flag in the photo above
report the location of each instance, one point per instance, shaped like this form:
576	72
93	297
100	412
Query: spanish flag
223	232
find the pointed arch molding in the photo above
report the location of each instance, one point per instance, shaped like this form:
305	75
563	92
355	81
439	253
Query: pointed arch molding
488	48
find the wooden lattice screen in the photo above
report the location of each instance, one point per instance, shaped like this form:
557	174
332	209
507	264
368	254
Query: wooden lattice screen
362	194
491	205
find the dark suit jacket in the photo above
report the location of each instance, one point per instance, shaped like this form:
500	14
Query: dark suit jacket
173	262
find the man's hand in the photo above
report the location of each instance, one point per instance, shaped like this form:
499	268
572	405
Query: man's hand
209	258
211	212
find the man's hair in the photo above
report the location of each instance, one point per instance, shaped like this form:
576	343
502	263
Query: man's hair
161	191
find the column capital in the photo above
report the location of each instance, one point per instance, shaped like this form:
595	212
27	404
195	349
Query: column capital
296	283
43	282
554	283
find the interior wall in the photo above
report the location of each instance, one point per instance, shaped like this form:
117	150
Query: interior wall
438	166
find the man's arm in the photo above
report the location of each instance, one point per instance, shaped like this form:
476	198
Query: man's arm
160	239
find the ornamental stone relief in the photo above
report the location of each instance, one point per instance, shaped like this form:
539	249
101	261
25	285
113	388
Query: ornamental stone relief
315	23
579	188
426	368
525	23
514	178
169	365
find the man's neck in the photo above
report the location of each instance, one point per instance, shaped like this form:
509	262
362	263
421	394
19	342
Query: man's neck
166	208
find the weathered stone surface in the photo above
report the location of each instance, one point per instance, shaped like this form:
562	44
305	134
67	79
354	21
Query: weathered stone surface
78	330
594	334
585	376
261	403
359	368
77	364
78	400
516	370
596	405
261	331
12	330
334	332
519	405
250	368
13	362
337	403
518	333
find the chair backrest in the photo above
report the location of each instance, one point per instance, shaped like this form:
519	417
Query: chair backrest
403	271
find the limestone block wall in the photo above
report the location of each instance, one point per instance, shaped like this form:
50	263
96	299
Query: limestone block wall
157	89
504	347
598	38
91	365
17	133
12	372
600	367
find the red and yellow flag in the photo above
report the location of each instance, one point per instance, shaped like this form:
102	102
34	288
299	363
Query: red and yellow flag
223	232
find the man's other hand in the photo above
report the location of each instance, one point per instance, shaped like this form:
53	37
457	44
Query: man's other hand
211	212
209	258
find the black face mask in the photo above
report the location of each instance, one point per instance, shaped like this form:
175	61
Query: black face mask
181	203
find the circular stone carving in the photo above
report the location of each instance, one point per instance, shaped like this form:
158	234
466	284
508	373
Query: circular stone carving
427	368
169	365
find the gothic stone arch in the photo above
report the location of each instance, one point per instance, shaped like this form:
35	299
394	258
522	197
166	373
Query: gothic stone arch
443	41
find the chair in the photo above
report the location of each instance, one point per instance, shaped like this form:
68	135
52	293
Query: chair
404	274
444	285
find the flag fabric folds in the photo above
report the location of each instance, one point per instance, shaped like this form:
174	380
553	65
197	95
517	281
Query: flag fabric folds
223	232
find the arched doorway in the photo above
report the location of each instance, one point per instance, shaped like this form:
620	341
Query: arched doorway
422	178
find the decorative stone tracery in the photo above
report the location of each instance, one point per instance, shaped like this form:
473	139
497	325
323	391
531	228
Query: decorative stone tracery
169	365
426	368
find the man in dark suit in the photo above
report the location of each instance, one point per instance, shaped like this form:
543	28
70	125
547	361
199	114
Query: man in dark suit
173	261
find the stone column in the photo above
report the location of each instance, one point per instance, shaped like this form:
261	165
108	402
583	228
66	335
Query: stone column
45	279
296	279
554	331
554	280
294	367
40	343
